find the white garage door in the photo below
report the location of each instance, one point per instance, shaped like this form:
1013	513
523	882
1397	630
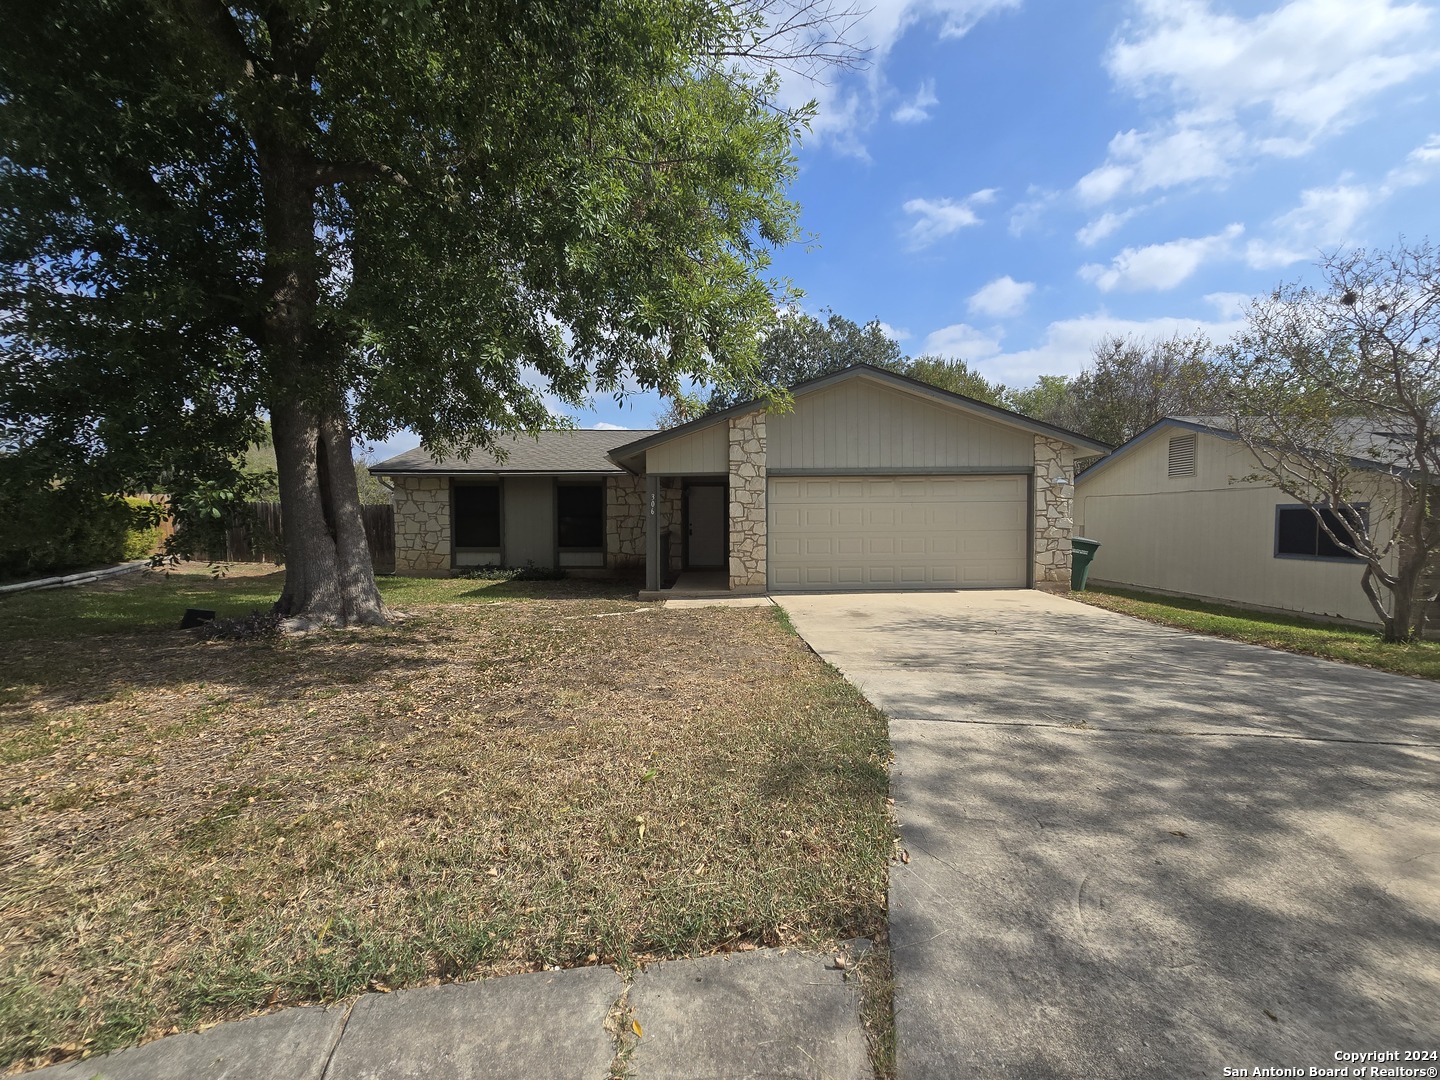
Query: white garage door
897	532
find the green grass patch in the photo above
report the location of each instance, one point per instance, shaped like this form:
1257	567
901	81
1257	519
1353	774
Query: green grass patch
156	600
1347	644
195	831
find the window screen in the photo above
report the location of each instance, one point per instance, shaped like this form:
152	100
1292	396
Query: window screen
580	516
477	515
1182	455
1298	533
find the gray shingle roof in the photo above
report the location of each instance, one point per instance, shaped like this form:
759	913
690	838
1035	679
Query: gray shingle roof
573	451
1381	442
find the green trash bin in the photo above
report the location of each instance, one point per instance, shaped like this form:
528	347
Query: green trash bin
1082	551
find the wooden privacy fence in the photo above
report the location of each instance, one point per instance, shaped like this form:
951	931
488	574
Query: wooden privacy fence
262	538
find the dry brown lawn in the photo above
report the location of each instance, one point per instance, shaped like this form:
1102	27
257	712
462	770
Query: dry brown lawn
193	831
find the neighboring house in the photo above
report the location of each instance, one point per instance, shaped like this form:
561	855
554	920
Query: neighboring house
871	481
1173	514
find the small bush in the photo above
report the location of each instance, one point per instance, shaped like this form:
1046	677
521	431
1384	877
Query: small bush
142	538
53	530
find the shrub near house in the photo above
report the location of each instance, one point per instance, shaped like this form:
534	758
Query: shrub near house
54	530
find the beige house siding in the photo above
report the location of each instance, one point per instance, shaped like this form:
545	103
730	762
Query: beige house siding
422	525
1205	536
529	518
703	451
861	424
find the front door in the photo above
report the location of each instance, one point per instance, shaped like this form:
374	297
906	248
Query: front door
705	540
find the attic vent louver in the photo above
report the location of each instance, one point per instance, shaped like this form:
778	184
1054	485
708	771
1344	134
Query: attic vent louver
1182	455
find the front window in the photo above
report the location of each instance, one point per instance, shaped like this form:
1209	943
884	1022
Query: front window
477	516
580	516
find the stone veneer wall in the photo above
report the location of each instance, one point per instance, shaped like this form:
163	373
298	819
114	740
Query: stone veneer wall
422	525
624	521
748	539
1054	520
672	517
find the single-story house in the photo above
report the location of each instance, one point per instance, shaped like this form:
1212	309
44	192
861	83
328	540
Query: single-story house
871	481
1173	513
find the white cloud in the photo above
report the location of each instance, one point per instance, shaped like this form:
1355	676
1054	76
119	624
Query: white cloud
1329	217
894	334
1160	266
1419	166
601	425
938	218
1228	305
1144	161
1309	64
1001	298
1103	226
1067	345
1242	88
962	341
1026	215
849	103
1324	217
917	108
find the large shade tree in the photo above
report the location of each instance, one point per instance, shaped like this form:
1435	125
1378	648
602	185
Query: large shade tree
348	217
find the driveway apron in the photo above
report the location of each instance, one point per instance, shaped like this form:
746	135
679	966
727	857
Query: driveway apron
1140	852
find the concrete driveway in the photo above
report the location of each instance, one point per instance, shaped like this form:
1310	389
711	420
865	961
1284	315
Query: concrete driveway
1138	852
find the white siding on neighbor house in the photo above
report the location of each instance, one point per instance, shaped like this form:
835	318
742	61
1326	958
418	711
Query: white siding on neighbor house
703	451
897	532
862	424
529	516
1204	536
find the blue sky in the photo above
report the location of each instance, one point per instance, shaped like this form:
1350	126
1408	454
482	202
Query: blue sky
1009	180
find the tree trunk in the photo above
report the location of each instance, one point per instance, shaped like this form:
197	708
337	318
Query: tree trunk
329	580
1407	606
358	594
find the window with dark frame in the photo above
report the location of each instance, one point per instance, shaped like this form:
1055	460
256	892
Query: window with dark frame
580	517
476	510
1299	535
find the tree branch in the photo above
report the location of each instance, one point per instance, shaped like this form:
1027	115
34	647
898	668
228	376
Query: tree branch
219	27
345	172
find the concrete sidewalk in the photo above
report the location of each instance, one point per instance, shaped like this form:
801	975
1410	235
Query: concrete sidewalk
746	1016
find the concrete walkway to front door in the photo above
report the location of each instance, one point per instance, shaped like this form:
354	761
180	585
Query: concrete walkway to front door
1137	852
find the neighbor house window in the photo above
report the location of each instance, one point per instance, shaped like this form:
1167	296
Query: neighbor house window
580	516
1182	455
477	515
1299	535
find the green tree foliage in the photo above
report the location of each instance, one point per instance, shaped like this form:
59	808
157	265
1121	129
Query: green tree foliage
355	216
801	347
1336	391
1050	399
1129	384
956	376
